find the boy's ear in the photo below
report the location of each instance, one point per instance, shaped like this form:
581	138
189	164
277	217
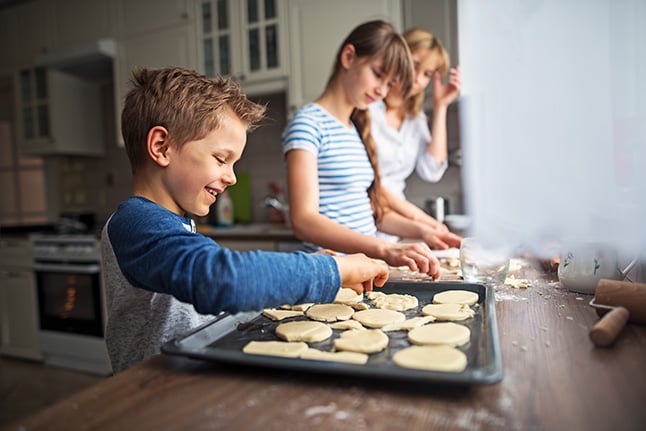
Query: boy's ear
157	145
348	54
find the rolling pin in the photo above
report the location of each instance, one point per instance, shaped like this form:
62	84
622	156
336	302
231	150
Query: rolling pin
617	302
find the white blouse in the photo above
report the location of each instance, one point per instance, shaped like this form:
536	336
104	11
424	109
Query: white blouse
402	151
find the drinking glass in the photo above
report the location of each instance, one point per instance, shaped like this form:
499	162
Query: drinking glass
483	262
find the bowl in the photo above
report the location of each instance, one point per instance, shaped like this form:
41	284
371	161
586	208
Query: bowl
457	221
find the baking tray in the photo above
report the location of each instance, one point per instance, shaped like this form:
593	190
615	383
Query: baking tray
222	340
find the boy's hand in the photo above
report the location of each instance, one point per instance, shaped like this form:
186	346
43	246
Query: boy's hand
358	272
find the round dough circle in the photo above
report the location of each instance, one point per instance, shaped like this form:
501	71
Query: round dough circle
329	312
448	311
377	317
456	297
395	301
434	358
447	333
346	295
304	330
368	341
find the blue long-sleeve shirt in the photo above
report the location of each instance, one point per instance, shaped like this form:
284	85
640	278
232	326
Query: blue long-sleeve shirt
162	279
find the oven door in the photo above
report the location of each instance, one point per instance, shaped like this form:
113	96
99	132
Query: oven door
69	298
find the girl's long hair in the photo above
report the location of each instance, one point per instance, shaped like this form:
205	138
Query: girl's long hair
376	39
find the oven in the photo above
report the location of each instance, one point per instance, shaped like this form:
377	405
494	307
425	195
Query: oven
71	301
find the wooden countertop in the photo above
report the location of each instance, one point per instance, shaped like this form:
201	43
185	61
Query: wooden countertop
554	378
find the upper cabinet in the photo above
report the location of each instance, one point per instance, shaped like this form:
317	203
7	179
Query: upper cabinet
317	29
244	39
58	114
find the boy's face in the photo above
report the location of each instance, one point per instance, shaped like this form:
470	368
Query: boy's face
200	170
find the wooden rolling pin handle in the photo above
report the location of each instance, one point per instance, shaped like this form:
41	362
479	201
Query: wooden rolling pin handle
605	331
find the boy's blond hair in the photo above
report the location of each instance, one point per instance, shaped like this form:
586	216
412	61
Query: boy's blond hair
187	104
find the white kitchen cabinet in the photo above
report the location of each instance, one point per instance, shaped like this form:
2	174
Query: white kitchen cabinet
79	22
244	39
58	114
317	29
162	38
31	29
19	334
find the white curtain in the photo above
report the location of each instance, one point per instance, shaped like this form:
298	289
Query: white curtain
554	120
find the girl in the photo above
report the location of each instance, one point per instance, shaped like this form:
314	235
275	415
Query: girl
335	197
400	128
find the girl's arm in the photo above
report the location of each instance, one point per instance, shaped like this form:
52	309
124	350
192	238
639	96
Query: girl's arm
396	224
411	211
309	225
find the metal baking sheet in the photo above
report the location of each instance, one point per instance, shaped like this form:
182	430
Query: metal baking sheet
223	339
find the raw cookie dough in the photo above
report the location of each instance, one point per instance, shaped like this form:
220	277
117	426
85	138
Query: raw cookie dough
393	301
349	357
369	341
304	330
456	297
448	311
446	333
275	348
347	296
329	312
347	324
408	324
435	358
275	314
376	317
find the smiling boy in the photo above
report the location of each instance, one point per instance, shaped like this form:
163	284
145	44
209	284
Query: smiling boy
183	133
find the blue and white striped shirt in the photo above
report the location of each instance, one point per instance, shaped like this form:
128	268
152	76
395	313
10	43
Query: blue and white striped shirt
344	170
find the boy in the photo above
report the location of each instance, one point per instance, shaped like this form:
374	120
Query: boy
183	133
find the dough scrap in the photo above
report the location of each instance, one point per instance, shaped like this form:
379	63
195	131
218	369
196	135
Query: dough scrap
304	330
395	301
408	324
434	358
349	357
518	283
359	306
377	317
347	296
456	297
275	314
347	324
275	348
447	333
448	311
297	307
369	341
329	312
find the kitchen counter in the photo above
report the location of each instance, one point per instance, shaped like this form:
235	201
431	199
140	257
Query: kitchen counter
254	231
553	379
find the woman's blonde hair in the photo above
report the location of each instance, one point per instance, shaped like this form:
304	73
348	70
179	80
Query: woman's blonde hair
419	39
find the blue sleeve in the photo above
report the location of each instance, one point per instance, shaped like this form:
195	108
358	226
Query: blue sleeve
155	252
302	133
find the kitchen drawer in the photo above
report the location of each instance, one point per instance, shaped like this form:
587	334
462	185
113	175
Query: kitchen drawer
15	253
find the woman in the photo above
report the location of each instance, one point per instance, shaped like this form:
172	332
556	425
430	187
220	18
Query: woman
400	127
335	198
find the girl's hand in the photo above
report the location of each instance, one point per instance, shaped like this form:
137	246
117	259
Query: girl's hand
441	239
417	256
443	95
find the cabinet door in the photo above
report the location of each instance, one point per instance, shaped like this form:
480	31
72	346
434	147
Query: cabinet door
33	30
245	39
263	25
141	17
98	21
175	46
317	29
19	316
